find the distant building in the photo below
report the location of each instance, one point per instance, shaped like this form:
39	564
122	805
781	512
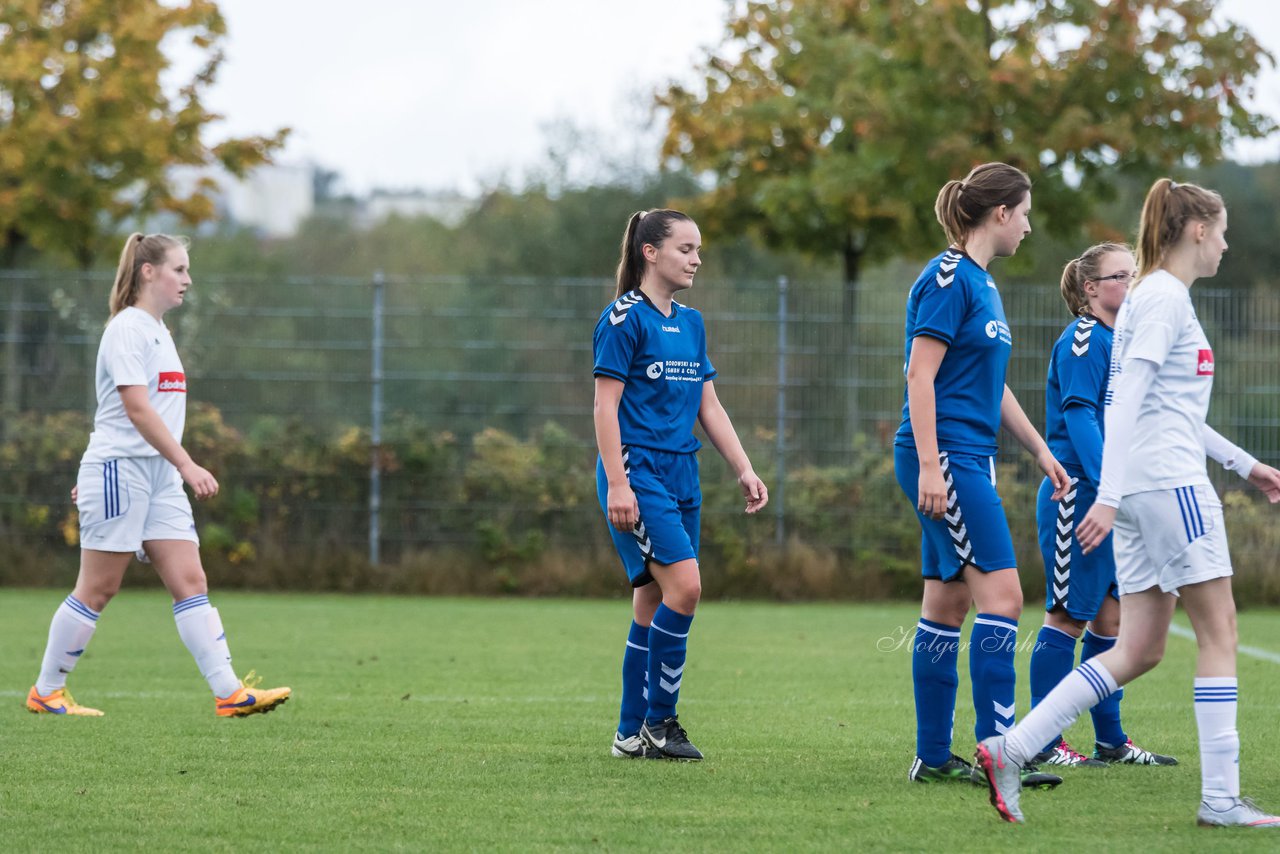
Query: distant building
272	199
447	207
275	199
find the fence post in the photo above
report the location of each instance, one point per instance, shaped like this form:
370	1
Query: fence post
780	485
11	398
375	421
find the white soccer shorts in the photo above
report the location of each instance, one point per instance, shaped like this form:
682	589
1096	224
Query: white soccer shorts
1169	538
126	502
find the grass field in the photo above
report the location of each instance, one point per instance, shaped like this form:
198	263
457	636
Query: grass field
449	724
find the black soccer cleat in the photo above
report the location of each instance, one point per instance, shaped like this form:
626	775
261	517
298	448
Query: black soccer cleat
1032	778
668	740
953	770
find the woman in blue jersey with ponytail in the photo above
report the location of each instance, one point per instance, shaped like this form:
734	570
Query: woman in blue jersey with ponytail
1080	589
957	352
653	381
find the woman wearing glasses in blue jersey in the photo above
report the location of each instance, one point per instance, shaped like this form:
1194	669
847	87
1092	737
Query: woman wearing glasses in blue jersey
956	400
1080	589
652	383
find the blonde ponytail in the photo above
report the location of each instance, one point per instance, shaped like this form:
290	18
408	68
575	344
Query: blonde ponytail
1083	269
1168	208
138	249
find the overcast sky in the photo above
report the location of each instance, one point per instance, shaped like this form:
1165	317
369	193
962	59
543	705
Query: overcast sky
455	94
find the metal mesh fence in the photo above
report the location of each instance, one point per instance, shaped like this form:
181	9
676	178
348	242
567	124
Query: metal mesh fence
811	373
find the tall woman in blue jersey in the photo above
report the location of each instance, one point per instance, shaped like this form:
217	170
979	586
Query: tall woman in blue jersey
1080	589
652	382
957	352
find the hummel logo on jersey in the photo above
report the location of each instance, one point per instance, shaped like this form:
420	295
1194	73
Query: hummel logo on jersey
1204	364
671	329
174	381
654	371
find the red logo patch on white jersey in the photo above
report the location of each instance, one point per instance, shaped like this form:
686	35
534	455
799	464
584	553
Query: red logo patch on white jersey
1204	364
177	381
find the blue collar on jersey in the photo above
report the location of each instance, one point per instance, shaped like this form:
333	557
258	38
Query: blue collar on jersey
675	306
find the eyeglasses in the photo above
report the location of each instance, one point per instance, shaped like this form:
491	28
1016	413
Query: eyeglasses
1123	278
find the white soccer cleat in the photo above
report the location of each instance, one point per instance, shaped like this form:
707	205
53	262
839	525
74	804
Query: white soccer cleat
1004	777
631	747
1241	812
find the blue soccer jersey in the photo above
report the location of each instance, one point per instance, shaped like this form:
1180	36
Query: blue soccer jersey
663	362
956	302
1074	394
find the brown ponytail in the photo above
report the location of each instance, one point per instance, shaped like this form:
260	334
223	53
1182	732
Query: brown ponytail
138	249
962	206
651	227
1080	270
1168	208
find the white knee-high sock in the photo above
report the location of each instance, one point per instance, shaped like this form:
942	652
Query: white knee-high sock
1084	687
200	628
1217	699
69	633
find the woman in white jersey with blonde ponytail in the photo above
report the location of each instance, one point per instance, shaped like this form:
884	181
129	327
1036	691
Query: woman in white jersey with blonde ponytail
1155	491
130	488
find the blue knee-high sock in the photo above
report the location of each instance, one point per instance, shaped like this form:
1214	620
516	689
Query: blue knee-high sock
993	641
1052	659
1106	715
936	680
668	641
635	673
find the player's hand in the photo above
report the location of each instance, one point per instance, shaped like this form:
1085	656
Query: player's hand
1055	472
75	494
622	507
203	484
932	500
757	494
1095	527
1266	479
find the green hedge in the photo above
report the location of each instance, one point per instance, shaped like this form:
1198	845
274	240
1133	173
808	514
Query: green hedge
499	514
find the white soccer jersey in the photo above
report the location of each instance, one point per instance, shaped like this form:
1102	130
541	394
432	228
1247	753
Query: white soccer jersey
1157	323
136	349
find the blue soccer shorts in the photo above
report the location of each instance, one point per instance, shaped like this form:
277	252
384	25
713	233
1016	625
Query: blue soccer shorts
974	531
670	498
1074	582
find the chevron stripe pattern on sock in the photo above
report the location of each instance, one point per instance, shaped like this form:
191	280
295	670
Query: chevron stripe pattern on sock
675	675
1065	525
955	519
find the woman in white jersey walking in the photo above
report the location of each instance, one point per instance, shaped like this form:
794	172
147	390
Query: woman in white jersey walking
129	489
1155	491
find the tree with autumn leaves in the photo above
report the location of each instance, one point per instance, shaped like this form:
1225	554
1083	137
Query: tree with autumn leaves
829	125
89	137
